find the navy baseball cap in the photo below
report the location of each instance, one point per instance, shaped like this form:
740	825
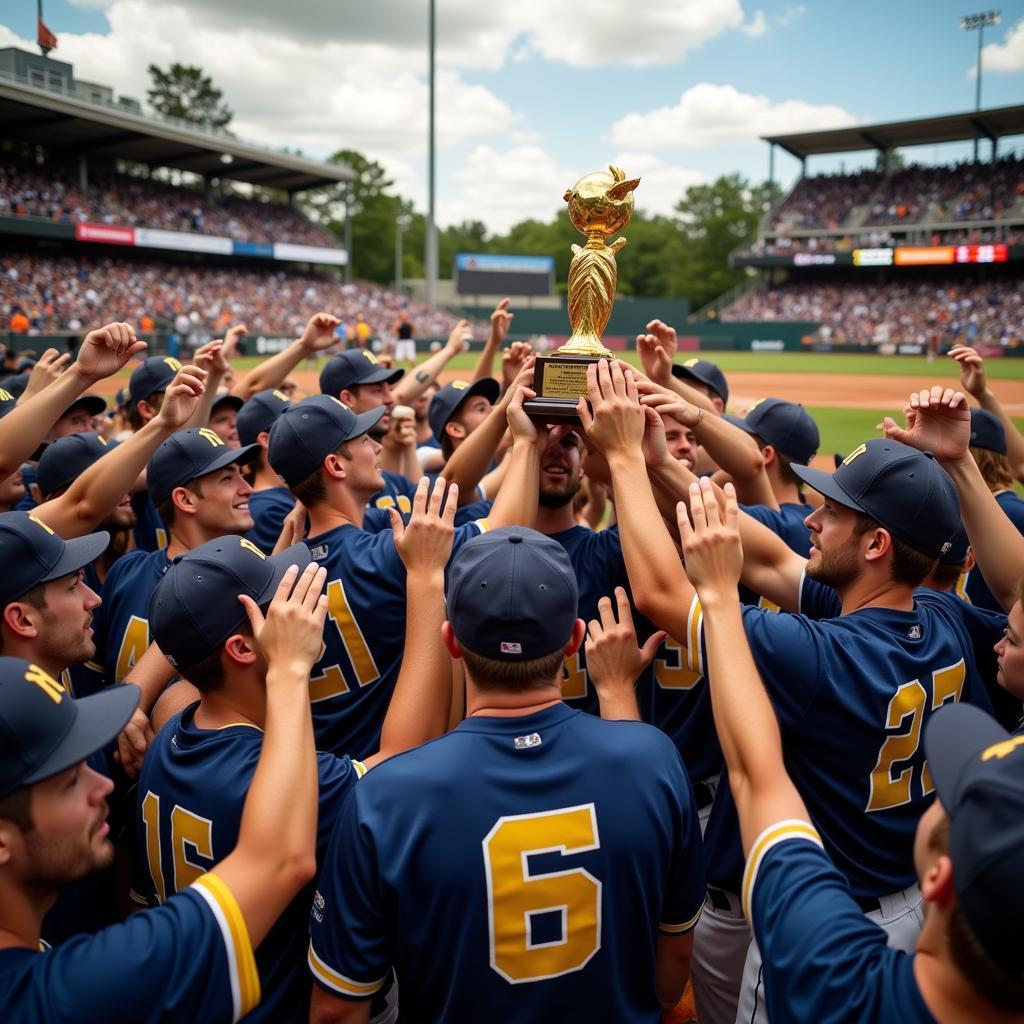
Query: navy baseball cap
959	544
188	454
987	431
67	458
902	489
306	433
226	398
43	731
31	553
151	376
786	426
15	384
94	405
447	400
259	413
512	595
356	366
706	372
195	606
8	400
978	771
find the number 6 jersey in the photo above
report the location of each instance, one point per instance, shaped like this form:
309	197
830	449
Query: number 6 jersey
516	869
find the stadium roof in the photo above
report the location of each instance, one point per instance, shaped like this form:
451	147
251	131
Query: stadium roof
925	131
109	131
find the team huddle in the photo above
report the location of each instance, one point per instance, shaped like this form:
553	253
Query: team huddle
391	703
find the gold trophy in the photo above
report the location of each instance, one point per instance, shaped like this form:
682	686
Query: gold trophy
600	204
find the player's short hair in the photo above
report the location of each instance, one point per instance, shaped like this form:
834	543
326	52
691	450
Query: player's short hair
35	597
154	400
167	510
909	565
1000	987
313	491
208	674
995	468
945	576
786	475
16	807
512	676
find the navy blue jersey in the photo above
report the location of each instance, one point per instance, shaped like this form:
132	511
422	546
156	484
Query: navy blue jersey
123	617
150	531
28	477
364	637
853	696
191	959
268	510
398	492
191	793
787	523
977	589
515	869
824	961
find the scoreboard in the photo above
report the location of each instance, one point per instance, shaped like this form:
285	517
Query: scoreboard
491	274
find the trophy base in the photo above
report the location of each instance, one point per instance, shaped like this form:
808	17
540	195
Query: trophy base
559	382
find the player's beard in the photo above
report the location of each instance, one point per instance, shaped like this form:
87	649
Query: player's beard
54	863
836	569
558	497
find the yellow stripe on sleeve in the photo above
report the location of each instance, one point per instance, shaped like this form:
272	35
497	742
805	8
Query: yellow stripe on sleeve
680	929
694	628
484	525
792	828
338	982
245	979
359	767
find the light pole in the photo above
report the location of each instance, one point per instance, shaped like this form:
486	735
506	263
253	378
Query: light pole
402	222
431	254
979	22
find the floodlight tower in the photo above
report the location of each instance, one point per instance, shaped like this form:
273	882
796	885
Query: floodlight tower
979	22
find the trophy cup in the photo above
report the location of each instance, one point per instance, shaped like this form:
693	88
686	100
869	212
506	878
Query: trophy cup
600	204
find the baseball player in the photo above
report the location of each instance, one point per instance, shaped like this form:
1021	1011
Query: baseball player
893	654
224	418
219	737
535	861
822	960
324	452
193	957
199	491
270	500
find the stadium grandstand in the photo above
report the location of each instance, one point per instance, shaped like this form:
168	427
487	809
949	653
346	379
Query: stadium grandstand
177	228
904	256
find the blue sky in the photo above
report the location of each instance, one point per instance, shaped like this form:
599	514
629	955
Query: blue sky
526	101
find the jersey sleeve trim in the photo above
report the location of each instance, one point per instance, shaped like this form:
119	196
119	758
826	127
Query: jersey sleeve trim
94	666
680	929
780	832
360	768
483	525
694	632
331	979
137	898
800	592
244	977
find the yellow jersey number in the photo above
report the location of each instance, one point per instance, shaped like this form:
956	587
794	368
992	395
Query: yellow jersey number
188	831
890	785
515	895
331	681
133	646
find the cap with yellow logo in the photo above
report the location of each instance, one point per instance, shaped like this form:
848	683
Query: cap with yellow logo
448	400
188	454
356	366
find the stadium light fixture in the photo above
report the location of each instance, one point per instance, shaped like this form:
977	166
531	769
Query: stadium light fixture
979	22
226	158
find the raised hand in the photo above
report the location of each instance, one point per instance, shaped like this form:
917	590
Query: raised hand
938	421
293	529
972	370
712	549
212	357
105	350
401	433
181	398
50	366
133	742
501	320
655	360
616	424
459	338
232	337
290	635
319	332
513	360
613	655
668	403
425	544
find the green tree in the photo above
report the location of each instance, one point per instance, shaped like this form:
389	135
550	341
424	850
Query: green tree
184	91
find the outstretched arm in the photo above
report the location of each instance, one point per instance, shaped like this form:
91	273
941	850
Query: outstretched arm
938	421
516	503
747	728
318	335
276	851
422	698
420	377
501	320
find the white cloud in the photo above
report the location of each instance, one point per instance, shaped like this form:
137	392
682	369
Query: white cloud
790	14
714	115
1007	55
661	185
757	26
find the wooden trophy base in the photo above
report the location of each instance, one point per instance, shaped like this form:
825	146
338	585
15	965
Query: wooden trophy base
559	382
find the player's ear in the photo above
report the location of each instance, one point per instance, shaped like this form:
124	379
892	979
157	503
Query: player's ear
348	397
579	631
184	501
240	649
969	562
263	439
37	495
769	454
20	619
937	882
718	404
879	543
334	467
10	836
450	643
455	430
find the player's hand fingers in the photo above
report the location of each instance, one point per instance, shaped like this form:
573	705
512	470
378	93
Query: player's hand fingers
284	588
397	525
604	610
583	411
650	648
594	632
451	504
697	510
436	496
303	585
947	396
683	521
419	499
311	597
710	501
731	516
625	613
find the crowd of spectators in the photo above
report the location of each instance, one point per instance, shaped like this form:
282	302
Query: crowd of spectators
45	295
914	309
826	200
147	202
786	245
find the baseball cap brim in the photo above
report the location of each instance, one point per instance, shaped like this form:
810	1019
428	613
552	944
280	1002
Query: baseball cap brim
243	456
953	739
380	375
297	554
78	553
825	484
365	421
93	405
234	401
98	720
